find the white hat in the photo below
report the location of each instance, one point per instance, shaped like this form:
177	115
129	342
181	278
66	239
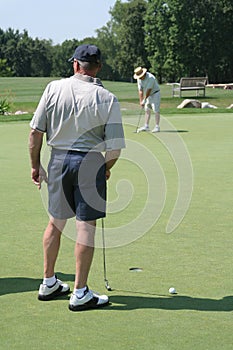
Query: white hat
139	72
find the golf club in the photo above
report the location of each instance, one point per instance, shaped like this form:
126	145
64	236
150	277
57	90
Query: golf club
139	119
107	286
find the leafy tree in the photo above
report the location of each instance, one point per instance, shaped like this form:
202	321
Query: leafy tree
123	38
23	55
8	42
131	38
108	38
41	58
158	24
60	56
5	70
105	41
16	50
220	68
189	37
172	38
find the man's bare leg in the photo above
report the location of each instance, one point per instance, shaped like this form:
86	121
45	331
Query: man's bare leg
147	117
51	245
157	118
84	251
51	286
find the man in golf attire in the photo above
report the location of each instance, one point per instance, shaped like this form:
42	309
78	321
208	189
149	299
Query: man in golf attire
149	96
81	120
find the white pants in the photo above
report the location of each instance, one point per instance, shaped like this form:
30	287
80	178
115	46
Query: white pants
153	102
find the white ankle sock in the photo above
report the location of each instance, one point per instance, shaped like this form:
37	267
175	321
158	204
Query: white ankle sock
50	281
79	292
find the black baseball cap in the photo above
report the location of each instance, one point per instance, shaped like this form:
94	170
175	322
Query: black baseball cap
87	53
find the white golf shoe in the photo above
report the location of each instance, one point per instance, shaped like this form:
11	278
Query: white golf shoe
89	300
156	129
57	290
143	128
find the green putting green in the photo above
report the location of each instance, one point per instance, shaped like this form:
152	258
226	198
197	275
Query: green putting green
196	258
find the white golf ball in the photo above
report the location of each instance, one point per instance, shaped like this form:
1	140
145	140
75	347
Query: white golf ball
172	290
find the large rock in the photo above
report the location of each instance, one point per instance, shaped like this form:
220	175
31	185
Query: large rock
195	104
190	104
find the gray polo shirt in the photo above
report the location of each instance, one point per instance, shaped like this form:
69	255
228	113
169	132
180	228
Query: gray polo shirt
150	82
78	113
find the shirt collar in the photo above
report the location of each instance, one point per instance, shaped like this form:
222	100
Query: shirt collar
88	79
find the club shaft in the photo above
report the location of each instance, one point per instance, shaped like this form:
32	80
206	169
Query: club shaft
139	119
104	253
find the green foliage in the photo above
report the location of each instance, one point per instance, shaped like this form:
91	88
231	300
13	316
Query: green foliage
24	56
108	46
61	54
5	70
190	38
6	100
132	53
41	58
131	36
4	106
172	38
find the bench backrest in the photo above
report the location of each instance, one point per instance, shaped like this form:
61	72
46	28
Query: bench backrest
192	82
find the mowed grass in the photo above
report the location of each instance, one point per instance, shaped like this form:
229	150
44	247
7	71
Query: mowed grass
24	94
196	258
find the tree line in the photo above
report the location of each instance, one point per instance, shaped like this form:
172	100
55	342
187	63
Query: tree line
171	38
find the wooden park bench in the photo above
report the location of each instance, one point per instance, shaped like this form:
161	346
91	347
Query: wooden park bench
189	84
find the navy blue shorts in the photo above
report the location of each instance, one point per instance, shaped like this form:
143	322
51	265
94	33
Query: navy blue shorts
77	185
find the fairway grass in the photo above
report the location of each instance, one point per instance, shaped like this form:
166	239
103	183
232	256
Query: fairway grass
196	258
24	94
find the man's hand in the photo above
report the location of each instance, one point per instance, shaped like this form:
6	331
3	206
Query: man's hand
38	176
111	158
107	174
142	103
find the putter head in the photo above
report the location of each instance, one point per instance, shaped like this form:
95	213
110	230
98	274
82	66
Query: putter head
107	286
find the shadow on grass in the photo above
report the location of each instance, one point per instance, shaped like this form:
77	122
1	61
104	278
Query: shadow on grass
174	131
10	285
176	302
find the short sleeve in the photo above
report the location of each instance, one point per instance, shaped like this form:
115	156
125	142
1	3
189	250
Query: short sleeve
114	132
39	119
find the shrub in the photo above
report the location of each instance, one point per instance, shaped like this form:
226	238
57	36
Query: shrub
4	106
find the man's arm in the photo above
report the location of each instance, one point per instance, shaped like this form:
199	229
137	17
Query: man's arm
140	94
111	158
35	143
148	92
